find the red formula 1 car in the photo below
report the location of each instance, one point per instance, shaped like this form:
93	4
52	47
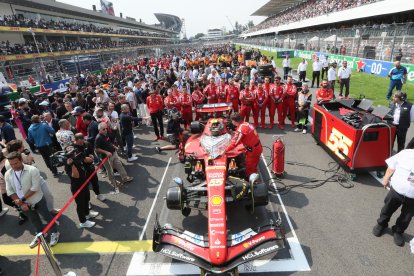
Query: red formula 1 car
215	180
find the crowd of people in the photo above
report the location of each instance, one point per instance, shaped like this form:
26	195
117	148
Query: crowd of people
29	47
18	20
93	121
308	9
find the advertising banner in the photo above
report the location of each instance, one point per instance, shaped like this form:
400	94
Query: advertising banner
107	7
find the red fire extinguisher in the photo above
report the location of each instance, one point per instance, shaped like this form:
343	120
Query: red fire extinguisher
278	157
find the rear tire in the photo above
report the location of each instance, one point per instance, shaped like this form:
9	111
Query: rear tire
195	127
174	198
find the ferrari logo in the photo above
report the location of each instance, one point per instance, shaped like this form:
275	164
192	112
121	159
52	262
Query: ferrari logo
216	200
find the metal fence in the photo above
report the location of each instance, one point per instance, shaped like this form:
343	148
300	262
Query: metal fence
381	42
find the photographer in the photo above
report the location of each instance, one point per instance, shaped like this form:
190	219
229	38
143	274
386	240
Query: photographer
173	130
78	168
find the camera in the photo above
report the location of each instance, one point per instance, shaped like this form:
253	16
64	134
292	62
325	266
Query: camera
59	159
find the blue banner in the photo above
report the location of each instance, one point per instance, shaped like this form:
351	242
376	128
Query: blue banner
57	84
377	67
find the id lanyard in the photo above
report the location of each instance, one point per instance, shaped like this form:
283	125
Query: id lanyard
19	180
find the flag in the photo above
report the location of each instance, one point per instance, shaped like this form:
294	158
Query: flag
107	7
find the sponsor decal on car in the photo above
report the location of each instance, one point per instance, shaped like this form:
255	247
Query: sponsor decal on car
218	232
253	242
216	211
216	219
216	225
184	244
177	255
216	182
216	200
257	253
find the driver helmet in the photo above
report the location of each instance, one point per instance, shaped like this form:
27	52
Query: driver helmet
216	127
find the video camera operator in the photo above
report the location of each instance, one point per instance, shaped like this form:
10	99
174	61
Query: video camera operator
79	167
173	130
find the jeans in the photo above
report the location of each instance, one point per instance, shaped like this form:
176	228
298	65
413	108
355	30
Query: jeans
40	209
394	83
129	139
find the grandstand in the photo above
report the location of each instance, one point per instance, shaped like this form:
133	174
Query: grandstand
51	40
376	29
169	21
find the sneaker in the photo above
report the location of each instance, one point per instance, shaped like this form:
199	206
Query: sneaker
304	131
297	129
4	211
398	239
127	179
87	224
158	149
22	218
132	159
125	148
54	212
101	197
117	174
57	174
54	238
114	191
34	242
378	230
135	136
92	214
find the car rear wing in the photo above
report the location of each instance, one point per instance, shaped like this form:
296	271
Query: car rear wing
217	107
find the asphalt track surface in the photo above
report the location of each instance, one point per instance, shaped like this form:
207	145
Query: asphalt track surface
331	224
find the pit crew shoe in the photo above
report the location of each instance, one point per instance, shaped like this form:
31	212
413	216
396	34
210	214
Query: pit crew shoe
87	224
378	230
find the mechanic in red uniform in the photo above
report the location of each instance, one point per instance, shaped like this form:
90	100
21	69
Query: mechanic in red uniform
186	107
247	101
324	93
233	95
247	135
267	86
221	92
170	101
154	104
198	99
260	105
276	97
290	99
211	92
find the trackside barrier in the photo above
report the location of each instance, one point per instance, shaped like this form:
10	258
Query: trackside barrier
40	237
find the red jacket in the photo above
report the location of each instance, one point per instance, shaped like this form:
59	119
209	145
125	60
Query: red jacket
245	134
198	97
277	94
290	90
261	97
154	103
211	93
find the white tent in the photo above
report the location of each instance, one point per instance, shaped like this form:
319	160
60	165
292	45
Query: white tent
332	39
314	39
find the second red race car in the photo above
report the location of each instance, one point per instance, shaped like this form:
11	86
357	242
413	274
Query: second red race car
215	179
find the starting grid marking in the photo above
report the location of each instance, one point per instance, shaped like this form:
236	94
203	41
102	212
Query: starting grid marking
297	262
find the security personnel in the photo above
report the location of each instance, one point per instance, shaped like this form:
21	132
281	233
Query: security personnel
154	104
324	93
403	114
276	97
186	107
247	135
398	76
290	99
260	105
232	92
316	67
401	168
247	101
198	99
211	92
344	76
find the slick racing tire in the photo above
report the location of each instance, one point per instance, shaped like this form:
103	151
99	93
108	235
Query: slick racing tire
260	194
174	198
195	127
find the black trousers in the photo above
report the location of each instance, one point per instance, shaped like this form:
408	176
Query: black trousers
94	180
392	202
82	200
302	75
411	144
344	82
325	71
400	136
316	76
156	119
46	152
285	72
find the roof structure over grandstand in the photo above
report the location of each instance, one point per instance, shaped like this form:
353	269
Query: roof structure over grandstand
170	22
275	6
53	5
